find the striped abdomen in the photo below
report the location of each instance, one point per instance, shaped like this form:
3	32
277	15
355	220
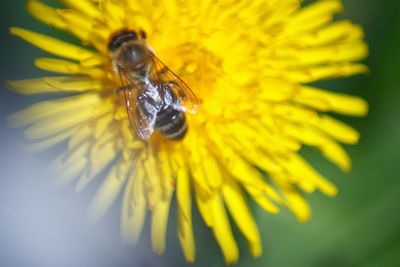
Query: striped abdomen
171	123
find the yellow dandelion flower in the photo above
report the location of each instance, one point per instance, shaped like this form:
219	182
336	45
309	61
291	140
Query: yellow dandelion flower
249	63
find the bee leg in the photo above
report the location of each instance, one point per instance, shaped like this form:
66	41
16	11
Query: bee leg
123	88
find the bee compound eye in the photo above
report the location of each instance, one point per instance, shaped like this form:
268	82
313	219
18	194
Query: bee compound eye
120	38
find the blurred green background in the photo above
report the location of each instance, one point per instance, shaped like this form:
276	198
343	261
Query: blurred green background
360	227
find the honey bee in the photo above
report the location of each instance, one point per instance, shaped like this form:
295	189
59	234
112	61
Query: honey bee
156	98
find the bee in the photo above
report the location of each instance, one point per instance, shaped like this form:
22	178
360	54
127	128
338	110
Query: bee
155	97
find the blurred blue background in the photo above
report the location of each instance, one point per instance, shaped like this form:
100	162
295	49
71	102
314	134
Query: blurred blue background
45	226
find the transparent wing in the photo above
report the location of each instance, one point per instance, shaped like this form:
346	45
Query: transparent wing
142	114
187	100
141	110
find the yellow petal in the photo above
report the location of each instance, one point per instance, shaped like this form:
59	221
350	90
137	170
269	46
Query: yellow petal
164	165
329	148
133	208
51	141
185	228
101	154
76	154
80	136
222	230
102	125
154	192
116	15
68	67
252	180
336	32
48	109
195	161
295	201
313	15
109	190
85	6
61	122
203	203
80	26
55	46
55	85
338	53
338	130
45	14
72	171
240	212
74	84
311	74
252	154
263	196
35	86
72	164
299	169
331	101
159	224
211	168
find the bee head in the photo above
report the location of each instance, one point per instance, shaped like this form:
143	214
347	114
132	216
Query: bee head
124	36
128	50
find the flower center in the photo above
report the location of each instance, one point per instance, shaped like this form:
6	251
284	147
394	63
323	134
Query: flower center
198	67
